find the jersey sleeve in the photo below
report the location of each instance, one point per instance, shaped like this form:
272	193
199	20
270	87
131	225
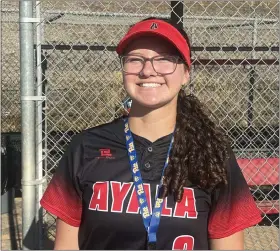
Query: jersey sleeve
62	197
233	207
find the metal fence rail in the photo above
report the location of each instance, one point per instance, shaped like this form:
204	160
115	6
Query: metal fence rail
235	72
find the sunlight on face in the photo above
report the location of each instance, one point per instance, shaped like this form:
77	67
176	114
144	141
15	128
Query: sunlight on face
148	88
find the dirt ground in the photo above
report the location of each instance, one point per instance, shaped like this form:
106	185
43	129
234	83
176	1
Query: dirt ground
256	238
12	229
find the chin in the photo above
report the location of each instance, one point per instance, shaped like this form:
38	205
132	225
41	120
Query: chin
152	105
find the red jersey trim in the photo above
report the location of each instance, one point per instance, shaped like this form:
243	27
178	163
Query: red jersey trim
60	214
245	224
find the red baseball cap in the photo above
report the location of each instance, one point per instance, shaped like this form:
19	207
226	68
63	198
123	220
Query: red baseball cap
159	28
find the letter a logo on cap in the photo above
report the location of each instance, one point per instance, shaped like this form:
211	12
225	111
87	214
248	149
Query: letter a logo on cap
154	26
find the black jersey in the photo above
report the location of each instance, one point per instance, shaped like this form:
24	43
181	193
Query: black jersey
92	189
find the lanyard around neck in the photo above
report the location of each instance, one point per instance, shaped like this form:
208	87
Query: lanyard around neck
151	221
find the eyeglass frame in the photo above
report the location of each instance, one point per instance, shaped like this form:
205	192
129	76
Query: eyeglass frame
178	60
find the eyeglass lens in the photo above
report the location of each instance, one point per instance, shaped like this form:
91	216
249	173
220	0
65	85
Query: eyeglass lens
161	64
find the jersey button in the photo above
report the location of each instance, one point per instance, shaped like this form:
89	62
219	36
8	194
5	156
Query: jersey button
147	166
150	149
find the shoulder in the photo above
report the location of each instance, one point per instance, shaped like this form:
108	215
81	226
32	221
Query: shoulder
232	164
113	128
111	131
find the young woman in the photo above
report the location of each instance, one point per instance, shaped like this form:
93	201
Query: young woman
163	177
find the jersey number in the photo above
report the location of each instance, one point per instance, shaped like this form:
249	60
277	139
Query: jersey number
183	242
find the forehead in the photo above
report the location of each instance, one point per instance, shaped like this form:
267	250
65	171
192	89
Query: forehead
151	43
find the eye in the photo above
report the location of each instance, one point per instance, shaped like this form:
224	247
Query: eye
133	59
165	59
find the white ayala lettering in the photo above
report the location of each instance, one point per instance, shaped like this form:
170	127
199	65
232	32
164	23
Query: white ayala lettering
119	192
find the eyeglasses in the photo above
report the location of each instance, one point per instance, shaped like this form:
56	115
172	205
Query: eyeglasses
163	65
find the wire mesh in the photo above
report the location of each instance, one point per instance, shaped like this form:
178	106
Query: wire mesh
235	54
10	88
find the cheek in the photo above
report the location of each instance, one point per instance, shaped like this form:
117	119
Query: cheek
129	80
176	80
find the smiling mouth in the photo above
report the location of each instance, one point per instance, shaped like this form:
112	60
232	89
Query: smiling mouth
149	85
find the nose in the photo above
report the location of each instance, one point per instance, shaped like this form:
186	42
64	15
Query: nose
148	69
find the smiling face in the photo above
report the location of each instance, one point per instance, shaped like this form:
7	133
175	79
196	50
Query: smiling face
148	88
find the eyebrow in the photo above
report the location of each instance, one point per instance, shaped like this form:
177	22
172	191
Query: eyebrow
139	54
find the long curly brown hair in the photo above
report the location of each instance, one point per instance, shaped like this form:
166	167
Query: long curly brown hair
199	152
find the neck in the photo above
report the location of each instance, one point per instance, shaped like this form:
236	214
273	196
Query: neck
152	124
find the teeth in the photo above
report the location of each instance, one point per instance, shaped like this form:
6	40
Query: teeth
150	85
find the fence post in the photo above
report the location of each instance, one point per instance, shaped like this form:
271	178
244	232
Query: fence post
27	124
39	130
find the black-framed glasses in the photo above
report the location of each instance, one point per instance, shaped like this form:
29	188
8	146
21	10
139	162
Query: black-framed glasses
162	64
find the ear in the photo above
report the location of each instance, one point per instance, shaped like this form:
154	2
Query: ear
186	76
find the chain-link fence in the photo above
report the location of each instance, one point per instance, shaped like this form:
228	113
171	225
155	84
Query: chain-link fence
235	54
10	87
